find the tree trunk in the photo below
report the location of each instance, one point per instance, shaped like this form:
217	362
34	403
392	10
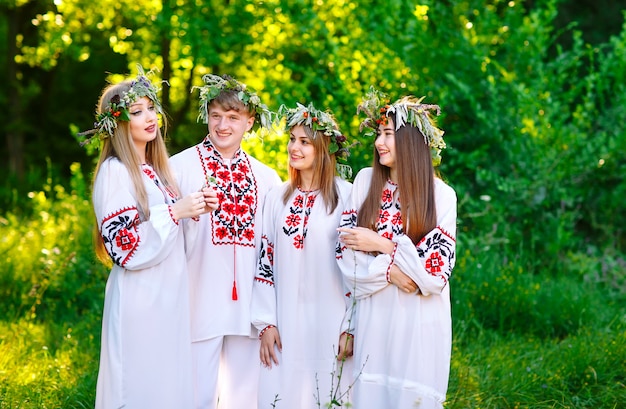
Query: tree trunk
14	134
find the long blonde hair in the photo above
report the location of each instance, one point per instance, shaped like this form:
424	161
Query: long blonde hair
416	184
324	166
121	146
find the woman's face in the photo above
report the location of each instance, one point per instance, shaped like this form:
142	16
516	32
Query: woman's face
386	144
301	150
144	122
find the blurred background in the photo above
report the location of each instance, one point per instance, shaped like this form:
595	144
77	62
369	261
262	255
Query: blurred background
534	108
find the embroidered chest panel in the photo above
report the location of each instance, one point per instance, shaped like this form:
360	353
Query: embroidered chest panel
168	194
237	190
296	222
389	221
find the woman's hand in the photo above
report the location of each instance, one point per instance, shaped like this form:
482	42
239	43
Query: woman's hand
192	205
267	352
346	346
401	280
363	239
210	198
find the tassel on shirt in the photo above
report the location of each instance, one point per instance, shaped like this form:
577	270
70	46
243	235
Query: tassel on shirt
234	296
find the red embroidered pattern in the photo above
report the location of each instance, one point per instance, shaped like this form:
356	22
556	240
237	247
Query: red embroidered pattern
437	249
298	216
170	197
125	239
389	221
120	234
298	242
393	254
233	222
434	263
169	210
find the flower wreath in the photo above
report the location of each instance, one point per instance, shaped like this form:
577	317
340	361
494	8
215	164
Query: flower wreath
324	122
117	110
215	85
408	110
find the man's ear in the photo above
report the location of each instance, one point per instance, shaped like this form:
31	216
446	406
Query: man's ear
250	123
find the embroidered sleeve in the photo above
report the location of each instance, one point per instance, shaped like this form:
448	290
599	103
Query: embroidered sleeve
430	262
348	219
265	273
120	234
131	242
263	306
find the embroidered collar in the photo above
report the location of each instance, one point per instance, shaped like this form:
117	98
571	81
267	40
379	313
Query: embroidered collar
307	191
211	147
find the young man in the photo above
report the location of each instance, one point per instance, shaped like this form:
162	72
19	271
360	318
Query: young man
223	256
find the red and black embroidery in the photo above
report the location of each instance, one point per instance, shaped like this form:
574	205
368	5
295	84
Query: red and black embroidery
168	194
233	221
389	221
296	222
438	250
120	234
348	220
265	272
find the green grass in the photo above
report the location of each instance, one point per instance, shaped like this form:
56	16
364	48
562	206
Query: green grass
48	365
585	370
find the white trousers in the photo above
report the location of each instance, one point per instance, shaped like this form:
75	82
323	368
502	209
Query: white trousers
226	369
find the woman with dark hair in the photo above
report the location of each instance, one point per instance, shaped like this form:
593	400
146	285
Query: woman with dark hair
397	242
298	299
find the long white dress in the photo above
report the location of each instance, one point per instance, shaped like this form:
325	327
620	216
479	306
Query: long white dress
402	341
299	289
145	359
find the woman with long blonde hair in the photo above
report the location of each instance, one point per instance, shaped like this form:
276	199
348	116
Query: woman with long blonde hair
145	359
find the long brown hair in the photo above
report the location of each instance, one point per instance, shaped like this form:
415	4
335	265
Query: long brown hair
121	146
324	166
416	185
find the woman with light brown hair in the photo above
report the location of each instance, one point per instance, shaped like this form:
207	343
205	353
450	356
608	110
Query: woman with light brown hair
145	359
298	298
397	241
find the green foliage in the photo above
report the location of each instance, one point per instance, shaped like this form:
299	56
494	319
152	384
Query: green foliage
494	289
51	295
49	257
534	118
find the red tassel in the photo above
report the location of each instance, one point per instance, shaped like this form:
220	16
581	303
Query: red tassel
234	291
